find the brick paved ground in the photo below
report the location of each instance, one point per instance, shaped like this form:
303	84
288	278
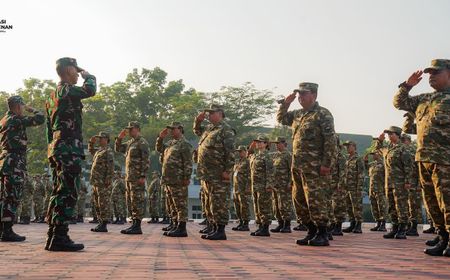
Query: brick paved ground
152	256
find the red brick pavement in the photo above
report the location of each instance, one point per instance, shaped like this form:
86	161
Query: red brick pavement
152	256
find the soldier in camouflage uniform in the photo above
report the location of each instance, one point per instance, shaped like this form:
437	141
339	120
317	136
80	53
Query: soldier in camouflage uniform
241	189
102	173
414	193
282	192
137	163
118	197
262	182
354	181
398	170
81	202
215	164
314	154
176	172
154	198
94	210
24	211
432	111
65	149
13	141
48	185
338	193
38	198
377	192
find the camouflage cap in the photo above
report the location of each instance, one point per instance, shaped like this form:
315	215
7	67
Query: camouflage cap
214	108
261	138
306	86
405	136
133	124
438	64
280	139
175	125
348	143
68	61
241	148
394	129
15	99
102	134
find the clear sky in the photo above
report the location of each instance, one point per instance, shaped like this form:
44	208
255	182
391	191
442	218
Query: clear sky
357	51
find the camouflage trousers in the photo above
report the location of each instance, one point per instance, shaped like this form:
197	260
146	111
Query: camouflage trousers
81	204
38	205
316	188
202	197
26	203
241	206
94	210
262	204
353	201
415	203
218	193
163	204
435	181
46	203
67	169
118	204
10	194
102	194
171	210
153	207
179	195
377	197
135	194
206	202
397	196
298	198
282	203
337	206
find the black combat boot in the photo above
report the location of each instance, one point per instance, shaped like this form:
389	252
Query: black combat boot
441	246
35	220
115	221
213	228
401	233
206	229
180	231
172	228
41	220
300	227
135	228
446	252
286	227
329	235
312	231
24	220
165	221
412	230
431	229
257	230
219	234
244	226
61	240
49	236
169	227
264	231
350	228
94	221
434	241
238	226
8	235
357	228
321	237
382	226
337	230
202	223
121	221
279	227
392	233
100	228
375	228
80	219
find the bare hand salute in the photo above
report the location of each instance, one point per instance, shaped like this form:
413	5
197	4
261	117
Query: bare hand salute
414	79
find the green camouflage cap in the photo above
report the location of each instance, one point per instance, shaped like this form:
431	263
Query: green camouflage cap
438	64
280	139
175	125
348	143
102	134
15	99
214	108
261	138
395	129
133	124
405	136
68	61
241	148
302	87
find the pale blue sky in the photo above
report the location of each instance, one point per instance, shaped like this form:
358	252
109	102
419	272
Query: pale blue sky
358	51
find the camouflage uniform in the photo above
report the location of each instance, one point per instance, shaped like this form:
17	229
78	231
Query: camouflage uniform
282	194
39	194
26	202
102	172
241	189
48	185
377	194
118	198
354	181
136	166
13	141
415	191
176	169
164	210
81	202
153	190
338	194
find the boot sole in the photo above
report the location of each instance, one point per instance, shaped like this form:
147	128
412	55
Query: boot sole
64	249
13	240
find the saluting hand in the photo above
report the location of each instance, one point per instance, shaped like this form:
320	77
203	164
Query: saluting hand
415	78
200	117
123	133
93	139
290	98
163	134
381	137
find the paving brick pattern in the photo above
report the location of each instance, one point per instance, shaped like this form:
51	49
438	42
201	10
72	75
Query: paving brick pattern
153	256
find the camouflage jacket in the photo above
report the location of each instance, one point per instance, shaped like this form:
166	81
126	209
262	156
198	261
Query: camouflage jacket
118	187
338	172
64	122
241	176
261	171
282	169
215	150
153	189
432	112
177	160
13	141
102	169
137	161
376	174
398	164
314	140
354	173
